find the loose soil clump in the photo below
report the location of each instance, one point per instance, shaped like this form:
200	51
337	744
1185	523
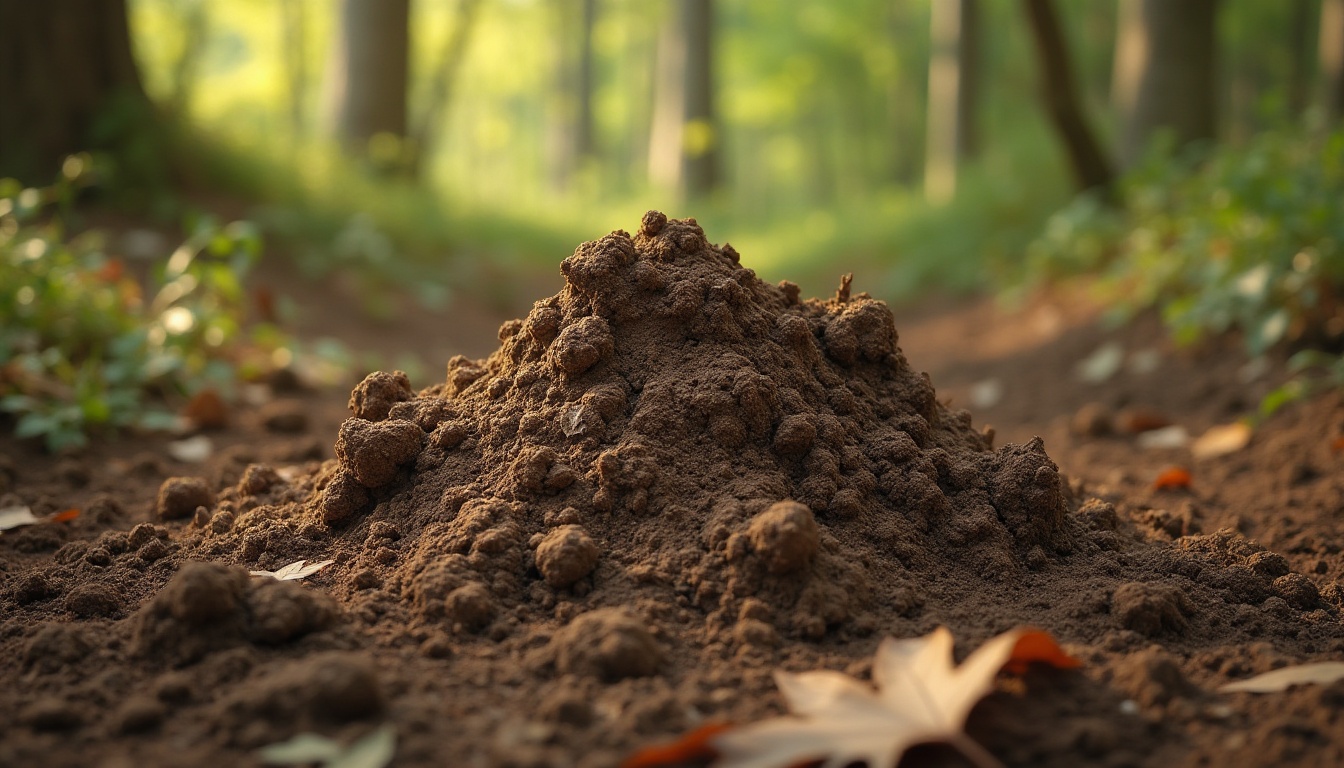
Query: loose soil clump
669	479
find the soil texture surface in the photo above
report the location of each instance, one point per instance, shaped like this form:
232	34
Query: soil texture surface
665	482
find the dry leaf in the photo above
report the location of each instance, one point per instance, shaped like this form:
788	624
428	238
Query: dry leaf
372	751
192	450
294	571
1102	364
207	410
1166	438
1138	420
1337	445
920	698
15	517
1221	440
1320	673
64	516
689	748
1172	478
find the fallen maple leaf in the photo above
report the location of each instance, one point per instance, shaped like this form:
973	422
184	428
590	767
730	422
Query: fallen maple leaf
690	747
64	516
14	517
920	698
1171	478
294	571
1320	673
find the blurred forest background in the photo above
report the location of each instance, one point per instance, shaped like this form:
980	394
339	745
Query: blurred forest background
1189	150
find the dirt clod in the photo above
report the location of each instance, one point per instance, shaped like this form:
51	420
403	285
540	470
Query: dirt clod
785	536
180	496
378	392
566	555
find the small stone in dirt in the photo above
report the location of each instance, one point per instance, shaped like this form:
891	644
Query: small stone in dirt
566	555
281	611
378	392
470	605
785	536
1092	420
93	600
342	498
288	416
1152	677
607	643
1150	609
201	593
180	496
374	451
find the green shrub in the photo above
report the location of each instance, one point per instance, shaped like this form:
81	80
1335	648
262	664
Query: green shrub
1248	238
85	346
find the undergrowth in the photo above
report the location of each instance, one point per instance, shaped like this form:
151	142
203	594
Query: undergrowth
1238	239
88	347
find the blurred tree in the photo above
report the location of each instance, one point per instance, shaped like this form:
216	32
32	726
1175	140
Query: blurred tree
1091	168
1166	72
442	87
1331	53
684	138
570	124
68	83
951	135
294	37
187	64
369	78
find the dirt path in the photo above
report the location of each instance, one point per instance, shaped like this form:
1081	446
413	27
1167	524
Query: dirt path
93	677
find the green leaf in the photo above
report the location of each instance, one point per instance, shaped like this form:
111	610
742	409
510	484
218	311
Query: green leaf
373	751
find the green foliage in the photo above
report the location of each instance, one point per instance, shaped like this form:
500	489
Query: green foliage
84	346
1246	238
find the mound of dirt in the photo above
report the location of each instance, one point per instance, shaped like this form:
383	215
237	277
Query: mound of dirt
670	478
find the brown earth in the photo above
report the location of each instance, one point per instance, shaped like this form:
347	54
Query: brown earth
669	480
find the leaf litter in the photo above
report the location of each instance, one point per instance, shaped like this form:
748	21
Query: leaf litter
294	571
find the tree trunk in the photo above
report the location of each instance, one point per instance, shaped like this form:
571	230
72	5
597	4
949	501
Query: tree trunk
63	64
700	134
584	143
441	90
665	129
1166	72
1091	168
952	62
294	37
1299	61
1331	52
370	74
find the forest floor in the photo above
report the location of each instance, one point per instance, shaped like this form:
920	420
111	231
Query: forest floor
89	678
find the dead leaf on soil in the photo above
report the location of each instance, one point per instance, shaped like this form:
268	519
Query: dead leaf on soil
1102	364
15	517
193	450
64	516
920	698
692	747
1172	478
1166	438
294	571
1337	445
1319	673
372	751
1221	440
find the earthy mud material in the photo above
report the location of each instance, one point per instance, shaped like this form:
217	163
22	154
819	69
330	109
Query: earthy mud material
670	479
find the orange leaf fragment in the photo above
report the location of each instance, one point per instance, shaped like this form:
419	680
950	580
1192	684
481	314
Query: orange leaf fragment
1337	445
1036	646
1172	478
692	747
112	270
65	516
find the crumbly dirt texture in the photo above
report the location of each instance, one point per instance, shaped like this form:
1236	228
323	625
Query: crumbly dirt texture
668	480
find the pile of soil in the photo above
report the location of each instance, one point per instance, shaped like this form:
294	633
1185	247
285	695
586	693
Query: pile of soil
670	479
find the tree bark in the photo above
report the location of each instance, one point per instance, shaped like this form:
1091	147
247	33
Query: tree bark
950	136
1166	72
370	75
700	134
1091	168
294	37
63	64
1331	53
584	141
665	128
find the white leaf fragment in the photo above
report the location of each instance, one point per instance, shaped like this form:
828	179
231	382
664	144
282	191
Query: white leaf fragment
1319	673
192	450
294	571
15	517
374	750
1102	364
